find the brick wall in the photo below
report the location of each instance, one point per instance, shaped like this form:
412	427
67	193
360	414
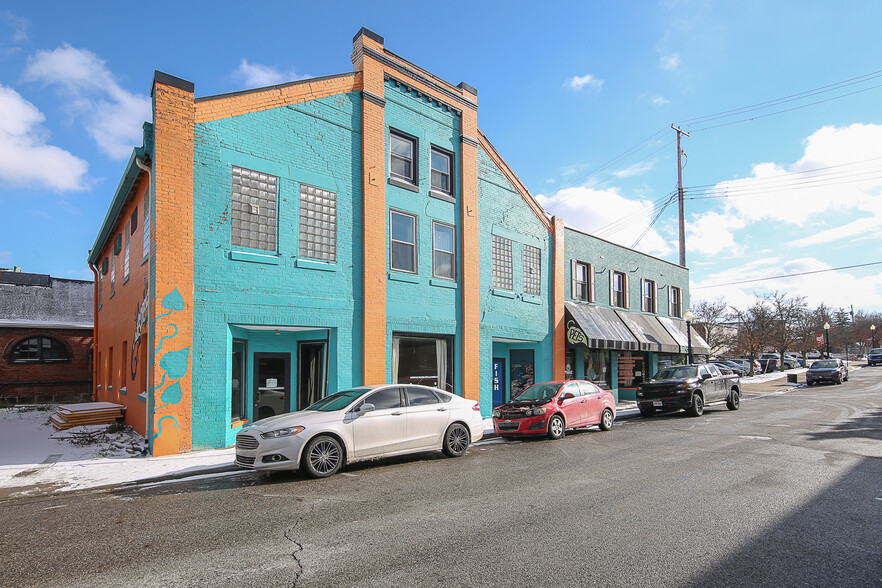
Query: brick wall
63	382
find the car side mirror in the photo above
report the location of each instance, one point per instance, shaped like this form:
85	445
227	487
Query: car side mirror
567	396
705	377
367	407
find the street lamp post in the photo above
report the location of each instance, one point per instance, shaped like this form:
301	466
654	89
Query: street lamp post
873	332
827	338
688	316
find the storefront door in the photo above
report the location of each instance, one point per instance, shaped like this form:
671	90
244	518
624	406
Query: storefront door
522	370
272	383
311	380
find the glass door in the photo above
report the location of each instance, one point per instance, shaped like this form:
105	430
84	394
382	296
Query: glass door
272	383
311	381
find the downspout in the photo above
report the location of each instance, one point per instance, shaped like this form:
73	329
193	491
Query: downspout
148	341
94	333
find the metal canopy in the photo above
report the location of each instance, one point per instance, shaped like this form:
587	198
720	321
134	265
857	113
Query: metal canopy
647	330
677	329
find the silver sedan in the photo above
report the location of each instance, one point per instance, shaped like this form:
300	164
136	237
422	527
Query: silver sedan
361	423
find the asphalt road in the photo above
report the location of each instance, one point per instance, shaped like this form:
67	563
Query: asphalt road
787	491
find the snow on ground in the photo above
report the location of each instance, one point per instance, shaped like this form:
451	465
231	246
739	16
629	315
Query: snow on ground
35	457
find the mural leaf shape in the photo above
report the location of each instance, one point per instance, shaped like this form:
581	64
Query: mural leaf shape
175	363
172	394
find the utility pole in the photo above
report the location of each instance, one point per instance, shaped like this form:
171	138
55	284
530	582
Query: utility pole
680	192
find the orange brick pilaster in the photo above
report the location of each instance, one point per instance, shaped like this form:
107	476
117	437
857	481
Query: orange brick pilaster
471	293
558	289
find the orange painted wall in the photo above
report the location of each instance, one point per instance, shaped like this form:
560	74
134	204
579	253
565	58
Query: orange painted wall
117	316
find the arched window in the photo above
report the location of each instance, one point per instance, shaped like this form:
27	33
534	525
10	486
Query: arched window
39	350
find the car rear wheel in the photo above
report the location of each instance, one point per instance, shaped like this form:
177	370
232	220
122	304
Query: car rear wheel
456	440
734	400
839	379
322	457
646	411
696	409
555	427
606	420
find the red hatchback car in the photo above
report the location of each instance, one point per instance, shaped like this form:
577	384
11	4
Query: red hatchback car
553	407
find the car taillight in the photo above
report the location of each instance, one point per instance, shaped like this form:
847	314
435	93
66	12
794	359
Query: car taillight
476	407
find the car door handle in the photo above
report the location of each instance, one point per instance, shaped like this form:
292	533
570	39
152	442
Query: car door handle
441	409
582	401
396	414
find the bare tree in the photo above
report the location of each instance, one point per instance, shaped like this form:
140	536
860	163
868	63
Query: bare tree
756	326
787	313
711	317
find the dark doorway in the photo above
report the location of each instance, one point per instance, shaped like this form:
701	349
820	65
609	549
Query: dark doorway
522	370
272	381
311	380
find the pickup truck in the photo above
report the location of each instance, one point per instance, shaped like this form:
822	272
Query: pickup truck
688	387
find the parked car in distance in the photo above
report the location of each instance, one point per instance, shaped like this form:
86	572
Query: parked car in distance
813	354
360	423
874	357
789	363
551	408
740	370
768	364
688	387
746	362
827	370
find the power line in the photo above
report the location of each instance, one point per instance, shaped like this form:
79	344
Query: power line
833	269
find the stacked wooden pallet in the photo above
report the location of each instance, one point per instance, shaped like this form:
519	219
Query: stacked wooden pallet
87	413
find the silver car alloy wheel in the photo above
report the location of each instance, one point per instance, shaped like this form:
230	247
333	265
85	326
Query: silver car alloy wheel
607	419
324	456
458	439
557	427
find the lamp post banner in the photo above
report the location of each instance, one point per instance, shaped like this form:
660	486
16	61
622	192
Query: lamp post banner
819	338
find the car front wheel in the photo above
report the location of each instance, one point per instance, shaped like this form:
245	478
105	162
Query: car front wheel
555	427
696	409
646	411
456	440
322	457
606	420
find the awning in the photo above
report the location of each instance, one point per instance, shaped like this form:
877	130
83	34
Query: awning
598	328
647	330
677	330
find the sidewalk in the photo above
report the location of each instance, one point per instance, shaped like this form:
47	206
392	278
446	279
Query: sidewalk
37	460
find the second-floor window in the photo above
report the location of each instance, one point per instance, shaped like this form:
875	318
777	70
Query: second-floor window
126	252
532	270
402	157
318	223
649	296
583	281
253	209
676	303
402	242
444	251
619	290
442	171
502	265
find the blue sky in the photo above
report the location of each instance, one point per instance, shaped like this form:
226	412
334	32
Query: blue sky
578	98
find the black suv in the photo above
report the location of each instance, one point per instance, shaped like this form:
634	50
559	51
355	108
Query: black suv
688	387
874	357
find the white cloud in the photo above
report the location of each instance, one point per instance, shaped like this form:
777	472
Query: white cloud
581	82
711	234
860	287
256	75
862	228
18	25
589	210
638	169
660	101
26	160
111	115
669	61
839	172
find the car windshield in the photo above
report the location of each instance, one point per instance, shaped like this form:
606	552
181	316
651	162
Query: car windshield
825	363
676	373
539	392
338	400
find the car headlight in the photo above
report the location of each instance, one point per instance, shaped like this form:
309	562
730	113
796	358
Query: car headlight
497	413
639	394
536	411
286	432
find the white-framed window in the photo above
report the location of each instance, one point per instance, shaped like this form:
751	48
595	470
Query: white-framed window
402	242
145	230
318	223
126	252
502	264
442	171
582	281
253	209
443	251
532	270
675	298
618	290
650	296
402	156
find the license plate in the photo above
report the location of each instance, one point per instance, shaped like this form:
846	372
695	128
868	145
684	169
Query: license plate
657	403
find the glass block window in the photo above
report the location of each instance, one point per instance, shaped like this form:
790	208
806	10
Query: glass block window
441	171
254	209
532	270
502	264
444	253
318	223
402	242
